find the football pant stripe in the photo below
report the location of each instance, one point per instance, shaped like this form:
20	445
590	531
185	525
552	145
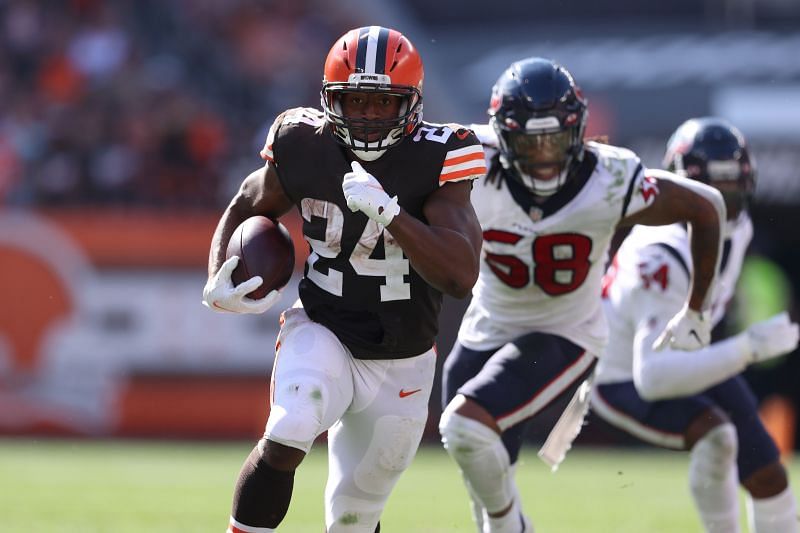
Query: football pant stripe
549	392
636	428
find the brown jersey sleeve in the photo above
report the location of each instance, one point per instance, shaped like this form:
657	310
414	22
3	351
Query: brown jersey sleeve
463	158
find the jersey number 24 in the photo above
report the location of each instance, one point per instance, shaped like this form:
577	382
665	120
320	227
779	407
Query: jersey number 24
392	268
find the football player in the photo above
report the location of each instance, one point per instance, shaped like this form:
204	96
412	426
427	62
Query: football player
548	208
385	202
696	400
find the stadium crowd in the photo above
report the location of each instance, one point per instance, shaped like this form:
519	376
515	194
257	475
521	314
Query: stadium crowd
154	102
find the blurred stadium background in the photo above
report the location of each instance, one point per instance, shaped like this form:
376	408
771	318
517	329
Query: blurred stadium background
125	126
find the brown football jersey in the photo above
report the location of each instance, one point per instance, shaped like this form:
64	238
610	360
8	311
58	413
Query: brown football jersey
357	281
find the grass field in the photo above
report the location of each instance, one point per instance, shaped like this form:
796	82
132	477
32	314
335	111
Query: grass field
159	487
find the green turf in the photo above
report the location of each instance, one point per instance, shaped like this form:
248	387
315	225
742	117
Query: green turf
125	487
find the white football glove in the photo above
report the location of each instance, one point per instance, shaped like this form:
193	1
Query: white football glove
364	193
687	330
219	294
772	337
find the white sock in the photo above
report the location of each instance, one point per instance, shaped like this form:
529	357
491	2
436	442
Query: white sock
713	479
776	514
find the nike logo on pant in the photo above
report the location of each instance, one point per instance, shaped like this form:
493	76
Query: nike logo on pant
404	393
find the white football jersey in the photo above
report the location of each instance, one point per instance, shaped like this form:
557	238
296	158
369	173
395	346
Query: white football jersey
648	281
542	272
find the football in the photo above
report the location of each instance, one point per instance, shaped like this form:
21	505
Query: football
265	249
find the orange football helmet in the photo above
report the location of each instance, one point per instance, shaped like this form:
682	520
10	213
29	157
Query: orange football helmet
372	59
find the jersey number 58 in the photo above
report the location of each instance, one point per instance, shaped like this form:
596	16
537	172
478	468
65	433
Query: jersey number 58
560	261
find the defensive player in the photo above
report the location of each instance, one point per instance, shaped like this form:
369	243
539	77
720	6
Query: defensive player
385	201
548	208
696	400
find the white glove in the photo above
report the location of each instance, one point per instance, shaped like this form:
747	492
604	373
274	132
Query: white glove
219	294
364	193
687	330
772	337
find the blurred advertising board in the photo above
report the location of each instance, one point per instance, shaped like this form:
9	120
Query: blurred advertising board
102	332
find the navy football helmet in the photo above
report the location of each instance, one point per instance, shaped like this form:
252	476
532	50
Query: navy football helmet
540	117
713	151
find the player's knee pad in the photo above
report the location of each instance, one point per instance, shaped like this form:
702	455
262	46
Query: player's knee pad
296	416
483	459
463	435
713	456
394	443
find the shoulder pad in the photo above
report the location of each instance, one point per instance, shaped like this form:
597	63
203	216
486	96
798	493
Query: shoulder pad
297	116
615	159
303	115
